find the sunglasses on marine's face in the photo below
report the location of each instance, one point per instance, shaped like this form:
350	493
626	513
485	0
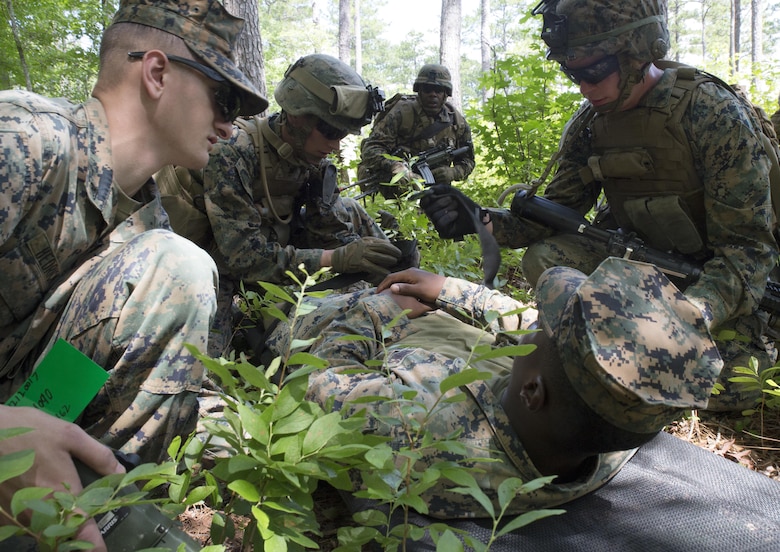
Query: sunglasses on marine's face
329	131
593	73
227	100
428	88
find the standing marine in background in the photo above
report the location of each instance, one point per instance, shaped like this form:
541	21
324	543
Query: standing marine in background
413	125
268	201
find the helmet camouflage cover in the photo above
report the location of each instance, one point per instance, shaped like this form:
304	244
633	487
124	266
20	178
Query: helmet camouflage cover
437	75
321	85
574	29
635	349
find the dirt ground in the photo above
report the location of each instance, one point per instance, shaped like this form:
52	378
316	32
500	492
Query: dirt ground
725	435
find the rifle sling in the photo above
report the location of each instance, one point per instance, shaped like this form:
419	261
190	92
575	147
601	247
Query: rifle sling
430	131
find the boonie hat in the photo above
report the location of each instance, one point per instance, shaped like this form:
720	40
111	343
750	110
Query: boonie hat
632	345
207	29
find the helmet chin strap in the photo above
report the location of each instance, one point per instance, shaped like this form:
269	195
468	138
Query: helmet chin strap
629	77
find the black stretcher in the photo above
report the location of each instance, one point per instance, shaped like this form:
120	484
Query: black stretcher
672	496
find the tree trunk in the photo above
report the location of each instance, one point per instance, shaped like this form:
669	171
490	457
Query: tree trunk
737	32
358	40
344	31
450	45
18	41
485	40
757	38
249	47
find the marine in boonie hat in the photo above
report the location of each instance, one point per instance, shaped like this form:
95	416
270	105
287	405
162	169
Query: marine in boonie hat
635	349
207	29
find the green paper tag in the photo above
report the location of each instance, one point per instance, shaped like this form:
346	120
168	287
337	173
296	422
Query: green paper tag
63	384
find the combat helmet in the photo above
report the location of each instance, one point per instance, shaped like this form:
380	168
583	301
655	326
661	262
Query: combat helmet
321	85
437	75
631	31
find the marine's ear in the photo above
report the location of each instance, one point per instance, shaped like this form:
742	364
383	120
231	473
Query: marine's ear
532	393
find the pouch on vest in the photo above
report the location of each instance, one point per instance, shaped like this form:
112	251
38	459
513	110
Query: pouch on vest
182	198
665	222
618	164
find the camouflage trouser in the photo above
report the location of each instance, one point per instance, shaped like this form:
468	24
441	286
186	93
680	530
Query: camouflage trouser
584	255
352	213
132	314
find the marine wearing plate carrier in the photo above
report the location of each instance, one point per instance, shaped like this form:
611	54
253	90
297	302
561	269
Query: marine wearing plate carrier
686	168
406	129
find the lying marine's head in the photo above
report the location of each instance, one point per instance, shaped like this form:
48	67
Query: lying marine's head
635	351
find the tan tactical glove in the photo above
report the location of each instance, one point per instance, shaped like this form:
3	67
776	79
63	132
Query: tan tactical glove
408	177
366	255
444	175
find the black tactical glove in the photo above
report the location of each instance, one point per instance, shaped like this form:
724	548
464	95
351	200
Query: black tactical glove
367	254
452	213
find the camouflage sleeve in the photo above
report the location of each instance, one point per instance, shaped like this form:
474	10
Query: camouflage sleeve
384	138
464	164
567	187
735	171
460	297
241	231
514	232
21	165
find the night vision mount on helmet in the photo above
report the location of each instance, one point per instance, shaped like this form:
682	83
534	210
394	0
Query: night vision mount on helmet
574	29
328	88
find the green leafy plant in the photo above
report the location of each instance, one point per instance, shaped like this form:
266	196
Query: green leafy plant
765	383
280	446
56	516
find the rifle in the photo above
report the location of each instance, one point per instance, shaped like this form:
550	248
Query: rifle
421	165
435	156
619	244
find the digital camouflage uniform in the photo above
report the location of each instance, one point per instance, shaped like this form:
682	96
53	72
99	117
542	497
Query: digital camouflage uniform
395	135
84	262
633	347
712	167
250	242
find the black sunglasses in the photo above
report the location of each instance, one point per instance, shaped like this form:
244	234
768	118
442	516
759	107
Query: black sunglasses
227	100
329	131
593	73
428	88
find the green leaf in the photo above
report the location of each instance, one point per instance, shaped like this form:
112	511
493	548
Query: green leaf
254	424
507	491
508	351
527	518
298	420
245	490
322	430
307	358
448	542
198	494
15	464
253	375
23	497
379	457
8	531
9	432
480	496
469	375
